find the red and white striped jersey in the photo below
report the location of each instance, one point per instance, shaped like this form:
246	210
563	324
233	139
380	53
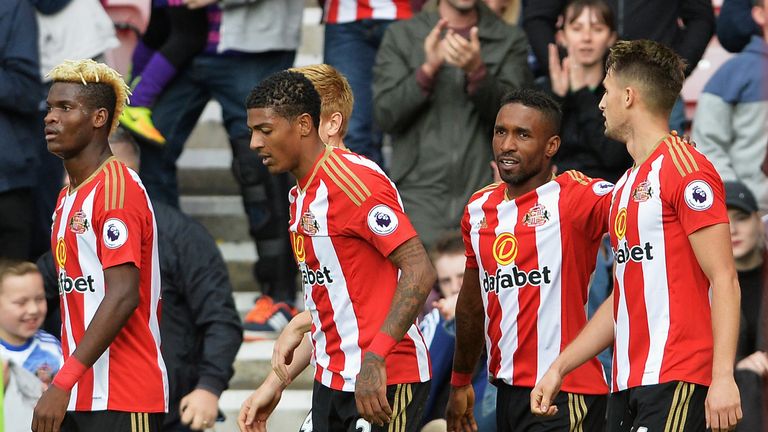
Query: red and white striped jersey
535	255
344	11
105	222
661	303
346	218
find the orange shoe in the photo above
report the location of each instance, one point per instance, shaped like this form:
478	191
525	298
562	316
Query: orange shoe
268	317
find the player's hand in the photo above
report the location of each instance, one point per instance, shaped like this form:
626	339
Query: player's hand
459	412
756	362
50	409
723	404
544	393
433	53
257	408
463	53
199	409
371	390
197	4
282	353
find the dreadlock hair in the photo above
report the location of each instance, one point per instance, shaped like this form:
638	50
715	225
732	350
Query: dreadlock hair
102	86
290	94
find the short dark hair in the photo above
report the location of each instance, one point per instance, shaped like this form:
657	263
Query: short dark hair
99	95
290	94
602	10
653	66
538	100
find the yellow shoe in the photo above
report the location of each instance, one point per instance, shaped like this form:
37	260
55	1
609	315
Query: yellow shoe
139	121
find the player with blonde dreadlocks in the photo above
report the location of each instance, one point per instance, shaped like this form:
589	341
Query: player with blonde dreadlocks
103	235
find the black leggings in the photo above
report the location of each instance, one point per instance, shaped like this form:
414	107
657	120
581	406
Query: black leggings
178	33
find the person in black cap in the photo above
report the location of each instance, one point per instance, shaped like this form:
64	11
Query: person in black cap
748	242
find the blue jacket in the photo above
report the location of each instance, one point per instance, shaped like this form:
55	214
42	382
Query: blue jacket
729	126
20	95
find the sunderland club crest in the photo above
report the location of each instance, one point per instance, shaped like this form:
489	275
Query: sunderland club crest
537	216
309	223
643	192
78	223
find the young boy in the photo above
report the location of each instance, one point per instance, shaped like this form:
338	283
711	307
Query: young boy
22	310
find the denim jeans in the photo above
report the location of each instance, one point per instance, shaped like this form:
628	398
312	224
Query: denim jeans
228	80
351	48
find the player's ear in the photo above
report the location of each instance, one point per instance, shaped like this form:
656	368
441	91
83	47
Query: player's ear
553	145
629	96
305	124
100	117
333	126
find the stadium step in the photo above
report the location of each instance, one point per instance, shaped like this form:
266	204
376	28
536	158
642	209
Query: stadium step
210	194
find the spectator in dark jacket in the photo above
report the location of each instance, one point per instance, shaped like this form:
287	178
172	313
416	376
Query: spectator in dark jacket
735	26
199	326
20	95
656	20
589	30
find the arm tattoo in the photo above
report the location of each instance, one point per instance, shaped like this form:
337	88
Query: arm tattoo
416	279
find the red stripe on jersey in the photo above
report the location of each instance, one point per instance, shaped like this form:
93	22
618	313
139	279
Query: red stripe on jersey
525	365
364	10
332	11
403	9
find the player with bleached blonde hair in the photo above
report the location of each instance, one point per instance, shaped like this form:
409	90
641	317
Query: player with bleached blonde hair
103	235
336	101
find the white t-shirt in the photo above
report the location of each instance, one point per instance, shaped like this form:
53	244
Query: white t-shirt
40	355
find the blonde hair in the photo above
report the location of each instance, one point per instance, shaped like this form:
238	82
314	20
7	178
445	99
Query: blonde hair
87	71
334	90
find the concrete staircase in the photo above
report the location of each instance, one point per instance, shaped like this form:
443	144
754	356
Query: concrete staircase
210	194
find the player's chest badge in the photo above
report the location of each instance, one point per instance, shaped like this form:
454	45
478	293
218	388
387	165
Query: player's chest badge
309	223
537	216
643	192
482	224
78	223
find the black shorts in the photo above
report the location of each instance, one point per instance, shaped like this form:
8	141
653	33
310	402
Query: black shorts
335	410
113	421
575	412
672	407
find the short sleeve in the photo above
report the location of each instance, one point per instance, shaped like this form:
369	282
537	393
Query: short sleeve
381	221
698	199
469	251
589	202
122	224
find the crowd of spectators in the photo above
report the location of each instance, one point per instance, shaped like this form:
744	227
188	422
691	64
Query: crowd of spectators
427	78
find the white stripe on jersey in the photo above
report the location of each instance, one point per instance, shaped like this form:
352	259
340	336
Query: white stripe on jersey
338	292
66	209
621	336
154	323
90	265
320	352
383	9
509	300
549	317
655	286
347	11
476	214
422	356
